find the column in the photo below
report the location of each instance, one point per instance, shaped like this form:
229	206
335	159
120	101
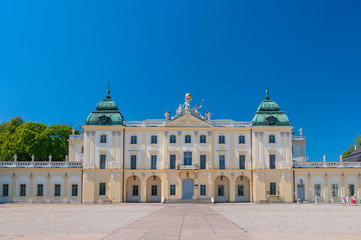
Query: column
196	150
261	149
143	197
86	149
164	151
112	160
66	188
256	151
283	148
232	189
288	146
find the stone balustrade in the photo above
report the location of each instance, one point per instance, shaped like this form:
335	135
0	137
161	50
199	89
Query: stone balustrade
76	137
144	123
327	165
230	123
39	164
298	137
187	167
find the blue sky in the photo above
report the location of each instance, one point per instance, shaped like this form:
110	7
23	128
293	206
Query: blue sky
56	58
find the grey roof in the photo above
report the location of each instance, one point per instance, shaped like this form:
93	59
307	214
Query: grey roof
355	156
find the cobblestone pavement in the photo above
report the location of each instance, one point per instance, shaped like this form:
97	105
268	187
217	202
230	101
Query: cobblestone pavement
179	221
295	221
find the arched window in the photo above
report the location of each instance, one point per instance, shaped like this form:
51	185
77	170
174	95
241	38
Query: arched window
242	139
103	138
221	140
188	139
154	139
172	139
133	140
187	158
272	139
203	139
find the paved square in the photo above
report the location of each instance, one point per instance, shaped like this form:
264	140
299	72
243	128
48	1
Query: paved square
179	221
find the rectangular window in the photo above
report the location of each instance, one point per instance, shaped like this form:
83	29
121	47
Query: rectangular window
57	188
74	190
220	190
240	190
133	161
154	139
40	190
317	190
187	158
222	162
102	188
334	190
172	161
351	190
135	190
203	139
203	161
172	190
102	161
133	140
5	190
273	189
172	139
272	161
22	190
82	149
242	162
154	190
203	190
154	162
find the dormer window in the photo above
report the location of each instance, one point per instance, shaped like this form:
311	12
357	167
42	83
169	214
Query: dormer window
272	139
154	139
187	139
221	139
103	139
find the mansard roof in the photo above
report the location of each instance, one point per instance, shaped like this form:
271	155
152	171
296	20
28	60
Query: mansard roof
355	156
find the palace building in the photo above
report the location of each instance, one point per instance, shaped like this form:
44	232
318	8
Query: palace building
185	157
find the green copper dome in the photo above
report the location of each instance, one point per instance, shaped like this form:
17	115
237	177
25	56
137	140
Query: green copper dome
269	114
107	113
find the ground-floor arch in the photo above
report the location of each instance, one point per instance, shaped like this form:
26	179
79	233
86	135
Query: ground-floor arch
154	189
133	189
242	189
221	189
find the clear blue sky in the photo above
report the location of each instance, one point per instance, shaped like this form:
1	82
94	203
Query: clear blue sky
56	58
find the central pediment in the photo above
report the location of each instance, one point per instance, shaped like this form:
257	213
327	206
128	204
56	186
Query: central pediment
188	121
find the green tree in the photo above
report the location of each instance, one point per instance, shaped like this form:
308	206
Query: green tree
357	142
57	144
7	129
26	139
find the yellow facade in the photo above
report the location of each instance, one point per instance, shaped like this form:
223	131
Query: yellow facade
185	158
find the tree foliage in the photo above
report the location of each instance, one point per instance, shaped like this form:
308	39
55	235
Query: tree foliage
357	143
27	138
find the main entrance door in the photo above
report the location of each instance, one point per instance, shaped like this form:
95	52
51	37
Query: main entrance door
187	188
301	191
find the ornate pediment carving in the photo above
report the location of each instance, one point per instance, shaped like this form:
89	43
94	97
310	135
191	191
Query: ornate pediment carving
187	121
